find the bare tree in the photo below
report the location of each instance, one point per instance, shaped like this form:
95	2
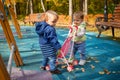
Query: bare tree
27	6
70	8
85	7
43	6
81	5
31	7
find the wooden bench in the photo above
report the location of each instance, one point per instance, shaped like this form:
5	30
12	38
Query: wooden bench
113	22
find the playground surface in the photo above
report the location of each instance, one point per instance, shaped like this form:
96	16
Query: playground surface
103	56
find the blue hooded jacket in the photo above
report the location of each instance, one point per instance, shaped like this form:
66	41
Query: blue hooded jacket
47	34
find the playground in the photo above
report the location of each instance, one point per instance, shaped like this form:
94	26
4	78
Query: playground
102	57
21	57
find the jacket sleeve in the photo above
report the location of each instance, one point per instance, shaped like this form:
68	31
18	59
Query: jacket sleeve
81	30
37	28
52	37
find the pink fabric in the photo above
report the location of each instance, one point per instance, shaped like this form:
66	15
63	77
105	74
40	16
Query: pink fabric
65	48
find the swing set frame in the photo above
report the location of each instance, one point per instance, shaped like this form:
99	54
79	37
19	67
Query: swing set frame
4	75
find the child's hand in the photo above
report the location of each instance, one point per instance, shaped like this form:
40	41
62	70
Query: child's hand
76	34
58	52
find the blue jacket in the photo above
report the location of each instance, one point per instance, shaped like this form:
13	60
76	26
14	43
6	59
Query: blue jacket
47	34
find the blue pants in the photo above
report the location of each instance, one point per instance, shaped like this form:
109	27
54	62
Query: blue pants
49	56
80	48
51	61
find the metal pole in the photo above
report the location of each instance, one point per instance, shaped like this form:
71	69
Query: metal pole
9	66
105	11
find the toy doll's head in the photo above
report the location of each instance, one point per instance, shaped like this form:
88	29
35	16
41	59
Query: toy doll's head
49	17
78	18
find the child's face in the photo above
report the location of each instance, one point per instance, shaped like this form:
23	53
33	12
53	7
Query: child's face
52	20
77	21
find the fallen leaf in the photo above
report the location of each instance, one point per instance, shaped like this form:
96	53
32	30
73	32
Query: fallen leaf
101	72
92	66
82	69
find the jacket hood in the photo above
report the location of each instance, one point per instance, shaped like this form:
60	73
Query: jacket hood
40	27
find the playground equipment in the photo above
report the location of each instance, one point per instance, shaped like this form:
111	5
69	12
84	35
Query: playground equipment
13	16
9	66
3	72
10	39
9	36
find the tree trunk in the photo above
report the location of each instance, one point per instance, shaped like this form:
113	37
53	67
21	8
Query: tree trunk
70	8
27	6
43	6
81	5
31	7
85	7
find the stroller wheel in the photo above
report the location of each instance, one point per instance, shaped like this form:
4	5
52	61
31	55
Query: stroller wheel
70	68
47	67
75	62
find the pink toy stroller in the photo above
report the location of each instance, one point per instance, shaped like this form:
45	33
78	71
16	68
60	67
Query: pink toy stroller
67	48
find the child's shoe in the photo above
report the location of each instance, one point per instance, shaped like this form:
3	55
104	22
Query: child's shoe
42	68
82	62
56	71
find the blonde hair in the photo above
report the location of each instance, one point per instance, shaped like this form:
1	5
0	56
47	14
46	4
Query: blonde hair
44	16
79	14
